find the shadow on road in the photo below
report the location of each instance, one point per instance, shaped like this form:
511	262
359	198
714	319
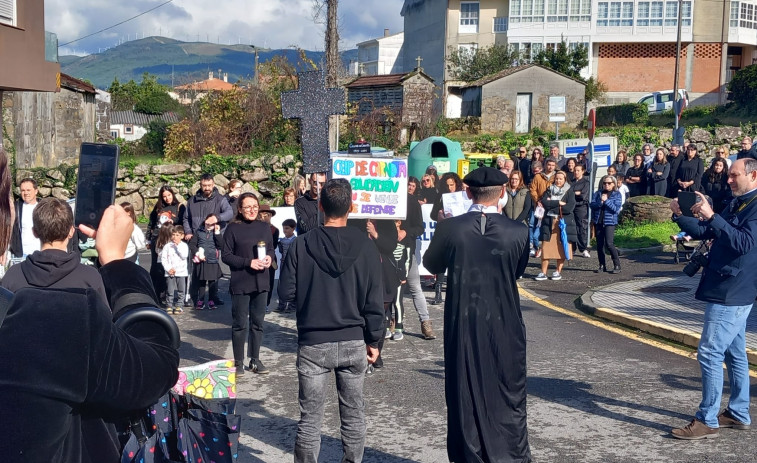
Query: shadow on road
280	432
577	394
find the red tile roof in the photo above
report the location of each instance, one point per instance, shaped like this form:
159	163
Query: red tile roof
207	85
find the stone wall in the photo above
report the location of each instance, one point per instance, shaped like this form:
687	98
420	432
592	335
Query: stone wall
267	177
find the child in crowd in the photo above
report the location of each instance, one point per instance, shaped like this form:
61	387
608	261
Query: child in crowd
623	189
174	258
137	241
205	246
401	260
165	229
289	226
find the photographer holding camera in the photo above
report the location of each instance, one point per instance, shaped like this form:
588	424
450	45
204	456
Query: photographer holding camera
729	287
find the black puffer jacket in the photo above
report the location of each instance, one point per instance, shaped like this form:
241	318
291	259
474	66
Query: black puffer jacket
553	205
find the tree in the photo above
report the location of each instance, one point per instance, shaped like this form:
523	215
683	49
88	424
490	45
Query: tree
148	96
468	66
564	60
743	86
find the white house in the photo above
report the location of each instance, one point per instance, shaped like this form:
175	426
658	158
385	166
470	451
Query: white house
132	126
380	56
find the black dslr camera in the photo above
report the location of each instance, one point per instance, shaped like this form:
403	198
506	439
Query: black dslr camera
698	259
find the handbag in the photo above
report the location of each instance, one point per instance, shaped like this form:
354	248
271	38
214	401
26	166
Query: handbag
539	212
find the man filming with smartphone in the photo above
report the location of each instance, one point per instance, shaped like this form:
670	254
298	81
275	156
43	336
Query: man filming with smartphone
729	287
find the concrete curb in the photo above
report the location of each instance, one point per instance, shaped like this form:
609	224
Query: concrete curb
685	337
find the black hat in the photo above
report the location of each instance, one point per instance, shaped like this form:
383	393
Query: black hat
485	176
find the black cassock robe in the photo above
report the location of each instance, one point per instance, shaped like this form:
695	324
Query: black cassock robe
484	336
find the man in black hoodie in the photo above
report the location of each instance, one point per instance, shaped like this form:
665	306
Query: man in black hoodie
306	206
333	274
53	266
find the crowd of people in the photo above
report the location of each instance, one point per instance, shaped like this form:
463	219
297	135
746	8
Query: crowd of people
345	279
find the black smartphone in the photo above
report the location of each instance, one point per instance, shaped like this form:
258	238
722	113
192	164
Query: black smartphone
687	199
96	184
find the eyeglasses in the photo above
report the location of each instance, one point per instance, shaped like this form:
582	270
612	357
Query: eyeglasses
522	152
250	208
608	183
428	180
720	152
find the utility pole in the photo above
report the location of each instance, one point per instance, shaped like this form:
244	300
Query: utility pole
255	81
677	136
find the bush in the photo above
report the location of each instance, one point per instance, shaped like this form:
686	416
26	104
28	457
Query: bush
622	114
743	86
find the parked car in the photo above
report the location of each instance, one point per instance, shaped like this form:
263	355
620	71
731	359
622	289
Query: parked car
658	102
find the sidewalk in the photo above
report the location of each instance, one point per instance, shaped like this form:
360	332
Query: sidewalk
662	306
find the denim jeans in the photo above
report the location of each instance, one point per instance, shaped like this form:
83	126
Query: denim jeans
247	312
314	364
413	285
723	340
533	231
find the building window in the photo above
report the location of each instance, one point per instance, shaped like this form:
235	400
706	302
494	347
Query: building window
8	12
469	17
615	14
557	11
747	18
128	129
580	10
734	22
500	24
467	48
671	13
114	134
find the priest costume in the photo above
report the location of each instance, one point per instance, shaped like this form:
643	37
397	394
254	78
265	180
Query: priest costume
484	253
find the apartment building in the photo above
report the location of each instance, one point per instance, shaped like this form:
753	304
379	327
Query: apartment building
380	56
632	44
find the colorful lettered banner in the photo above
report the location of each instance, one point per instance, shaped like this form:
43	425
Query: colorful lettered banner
379	185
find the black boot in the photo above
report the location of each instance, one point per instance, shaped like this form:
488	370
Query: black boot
437	292
600	269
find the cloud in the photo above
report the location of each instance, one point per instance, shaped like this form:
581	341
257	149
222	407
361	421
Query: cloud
264	23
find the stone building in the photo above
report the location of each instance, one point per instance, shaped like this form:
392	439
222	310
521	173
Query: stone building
48	128
517	99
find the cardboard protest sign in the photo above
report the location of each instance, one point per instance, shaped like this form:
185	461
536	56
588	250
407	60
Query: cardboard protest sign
379	185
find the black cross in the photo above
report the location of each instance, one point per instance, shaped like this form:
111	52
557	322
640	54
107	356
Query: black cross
312	104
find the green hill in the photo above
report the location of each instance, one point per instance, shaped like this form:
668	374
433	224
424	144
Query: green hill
173	61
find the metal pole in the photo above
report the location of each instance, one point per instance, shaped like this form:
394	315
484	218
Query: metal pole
557	130
676	97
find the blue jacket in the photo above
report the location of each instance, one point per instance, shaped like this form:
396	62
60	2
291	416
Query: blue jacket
610	209
729	277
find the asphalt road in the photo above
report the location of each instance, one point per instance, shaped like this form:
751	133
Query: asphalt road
594	395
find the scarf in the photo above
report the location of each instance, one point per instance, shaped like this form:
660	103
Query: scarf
556	194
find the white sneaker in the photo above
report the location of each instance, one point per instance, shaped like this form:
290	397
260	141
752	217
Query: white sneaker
531	253
397	336
388	334
586	253
540	277
556	276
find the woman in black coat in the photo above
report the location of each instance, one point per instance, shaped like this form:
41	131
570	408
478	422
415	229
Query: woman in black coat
657	174
690	171
715	185
558	201
249	285
166	210
636	177
621	164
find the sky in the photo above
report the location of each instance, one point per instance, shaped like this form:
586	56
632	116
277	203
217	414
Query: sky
263	23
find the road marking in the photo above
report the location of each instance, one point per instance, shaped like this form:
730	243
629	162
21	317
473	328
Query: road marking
614	329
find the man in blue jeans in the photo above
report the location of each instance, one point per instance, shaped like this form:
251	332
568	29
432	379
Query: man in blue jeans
729	287
333	275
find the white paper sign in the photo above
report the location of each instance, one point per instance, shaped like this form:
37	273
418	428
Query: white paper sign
456	203
425	239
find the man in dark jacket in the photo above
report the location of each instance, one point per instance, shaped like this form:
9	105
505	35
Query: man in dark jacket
53	266
306	206
333	274
23	242
747	149
206	201
729	288
582	192
69	373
